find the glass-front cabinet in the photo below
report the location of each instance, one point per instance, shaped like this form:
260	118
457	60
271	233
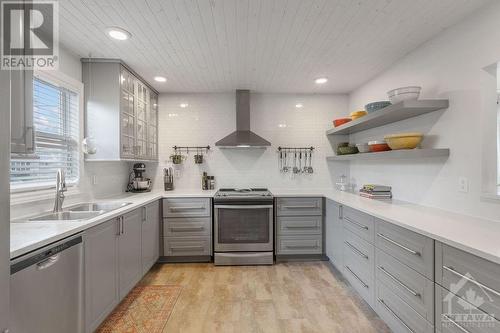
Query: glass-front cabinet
153	126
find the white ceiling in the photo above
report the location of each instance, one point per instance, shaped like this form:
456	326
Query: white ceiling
262	45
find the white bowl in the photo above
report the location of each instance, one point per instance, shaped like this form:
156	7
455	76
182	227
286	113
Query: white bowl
363	147
404	94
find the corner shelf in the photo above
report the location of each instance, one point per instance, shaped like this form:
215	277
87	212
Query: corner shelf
392	154
390	114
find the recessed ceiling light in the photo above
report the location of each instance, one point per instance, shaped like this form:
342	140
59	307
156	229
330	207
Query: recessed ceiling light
184	105
118	33
321	80
160	79
299	105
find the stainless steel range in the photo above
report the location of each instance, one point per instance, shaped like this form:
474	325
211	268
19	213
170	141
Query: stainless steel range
243	227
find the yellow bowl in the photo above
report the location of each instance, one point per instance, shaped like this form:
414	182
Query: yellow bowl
358	114
404	140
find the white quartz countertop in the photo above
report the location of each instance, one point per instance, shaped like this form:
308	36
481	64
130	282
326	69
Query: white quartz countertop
477	236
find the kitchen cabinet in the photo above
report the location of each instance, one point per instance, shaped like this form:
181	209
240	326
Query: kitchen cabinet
121	112
187	229
22	135
101	272
334	233
129	251
299	230
150	235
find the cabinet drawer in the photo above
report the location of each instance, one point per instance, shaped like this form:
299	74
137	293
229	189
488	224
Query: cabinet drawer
398	315
299	225
186	246
360	223
186	207
412	249
415	289
474	274
360	250
454	315
299	206
312	244
194	226
360	279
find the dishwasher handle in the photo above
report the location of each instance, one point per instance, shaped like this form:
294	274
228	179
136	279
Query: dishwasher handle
45	257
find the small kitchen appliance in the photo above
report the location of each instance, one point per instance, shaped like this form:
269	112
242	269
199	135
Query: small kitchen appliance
137	183
243	227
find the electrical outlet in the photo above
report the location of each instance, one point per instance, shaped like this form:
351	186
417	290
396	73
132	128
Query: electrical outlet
463	184
94	180
177	173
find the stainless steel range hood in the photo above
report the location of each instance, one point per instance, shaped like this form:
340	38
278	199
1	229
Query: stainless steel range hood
243	137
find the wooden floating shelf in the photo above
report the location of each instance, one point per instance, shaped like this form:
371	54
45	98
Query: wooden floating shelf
390	114
392	154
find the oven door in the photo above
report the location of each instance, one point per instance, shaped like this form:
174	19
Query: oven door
243	228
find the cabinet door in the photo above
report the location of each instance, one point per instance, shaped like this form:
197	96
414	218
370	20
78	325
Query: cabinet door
141	127
101	273
129	251
127	114
150	235
153	127
22	130
334	233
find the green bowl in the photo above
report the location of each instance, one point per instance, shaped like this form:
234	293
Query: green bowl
347	150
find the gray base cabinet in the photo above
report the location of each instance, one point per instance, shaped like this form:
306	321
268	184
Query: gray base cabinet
129	251
150	235
187	229
299	226
101	272
334	233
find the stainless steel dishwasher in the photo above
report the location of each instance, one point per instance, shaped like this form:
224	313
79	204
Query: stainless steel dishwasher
47	289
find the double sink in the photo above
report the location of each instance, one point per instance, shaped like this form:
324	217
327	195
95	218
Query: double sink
80	212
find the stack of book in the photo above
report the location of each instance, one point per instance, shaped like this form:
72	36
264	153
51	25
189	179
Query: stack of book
376	191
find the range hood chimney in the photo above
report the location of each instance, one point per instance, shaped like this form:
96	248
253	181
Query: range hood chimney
243	137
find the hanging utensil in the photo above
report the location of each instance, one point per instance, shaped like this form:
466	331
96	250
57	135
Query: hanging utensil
295	169
310	168
300	161
285	167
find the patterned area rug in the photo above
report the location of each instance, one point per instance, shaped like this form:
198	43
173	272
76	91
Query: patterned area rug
145	309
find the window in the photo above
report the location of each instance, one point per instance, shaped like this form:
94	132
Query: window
56	120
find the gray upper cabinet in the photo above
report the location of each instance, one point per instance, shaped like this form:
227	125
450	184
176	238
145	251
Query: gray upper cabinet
129	251
150	235
121	112
101	272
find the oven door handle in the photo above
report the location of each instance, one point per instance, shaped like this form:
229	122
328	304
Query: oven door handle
242	206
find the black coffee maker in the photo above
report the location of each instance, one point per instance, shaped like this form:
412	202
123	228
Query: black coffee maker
138	183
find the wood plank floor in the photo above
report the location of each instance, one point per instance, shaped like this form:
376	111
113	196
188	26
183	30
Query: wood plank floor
286	297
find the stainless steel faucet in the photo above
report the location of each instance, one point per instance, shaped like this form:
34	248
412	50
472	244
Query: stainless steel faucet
60	189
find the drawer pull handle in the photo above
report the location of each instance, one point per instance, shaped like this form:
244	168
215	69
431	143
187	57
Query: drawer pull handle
177	209
300	207
480	285
301	246
407	249
395	279
300	227
456	324
186	248
358	252
381	301
186	228
359	225
357	277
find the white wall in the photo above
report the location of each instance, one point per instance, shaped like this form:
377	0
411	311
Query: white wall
210	117
449	66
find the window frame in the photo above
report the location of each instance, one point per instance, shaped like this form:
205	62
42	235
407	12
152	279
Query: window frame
59	79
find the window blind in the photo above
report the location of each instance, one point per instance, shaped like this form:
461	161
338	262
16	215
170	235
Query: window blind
56	123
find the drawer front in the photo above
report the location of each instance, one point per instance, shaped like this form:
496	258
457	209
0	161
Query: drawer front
360	279
474	274
412	249
415	289
312	244
454	315
299	225
360	251
186	246
194	226
398	315
299	206
186	207
360	223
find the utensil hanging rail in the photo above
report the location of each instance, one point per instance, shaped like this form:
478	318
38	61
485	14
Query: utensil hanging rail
295	148
188	148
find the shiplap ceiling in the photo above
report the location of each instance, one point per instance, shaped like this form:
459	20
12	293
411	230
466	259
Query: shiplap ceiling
262	45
